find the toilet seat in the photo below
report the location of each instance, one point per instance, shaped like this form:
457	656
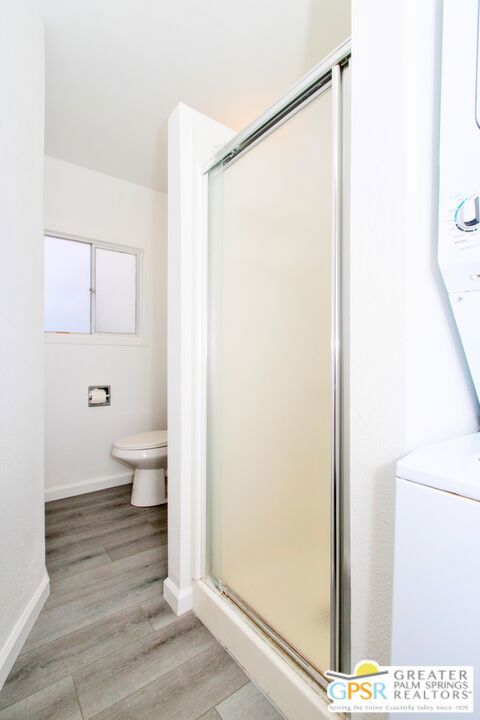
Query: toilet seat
143	441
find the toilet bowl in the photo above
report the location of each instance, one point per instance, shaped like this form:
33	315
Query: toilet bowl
147	454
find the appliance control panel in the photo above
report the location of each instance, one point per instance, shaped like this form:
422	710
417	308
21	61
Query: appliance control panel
459	240
467	214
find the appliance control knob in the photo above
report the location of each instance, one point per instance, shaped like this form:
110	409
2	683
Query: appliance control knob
467	214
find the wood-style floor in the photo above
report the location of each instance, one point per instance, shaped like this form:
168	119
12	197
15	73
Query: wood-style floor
106	645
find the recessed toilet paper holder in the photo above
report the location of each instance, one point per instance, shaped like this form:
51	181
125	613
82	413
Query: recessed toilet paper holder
99	395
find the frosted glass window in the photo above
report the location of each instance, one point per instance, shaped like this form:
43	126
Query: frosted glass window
115	291
67	285
89	289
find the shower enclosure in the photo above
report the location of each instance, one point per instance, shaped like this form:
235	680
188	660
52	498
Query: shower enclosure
276	513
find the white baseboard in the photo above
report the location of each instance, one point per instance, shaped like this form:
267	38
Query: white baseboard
181	601
86	486
294	694
11	649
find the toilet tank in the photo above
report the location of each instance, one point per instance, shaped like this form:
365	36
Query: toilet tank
436	586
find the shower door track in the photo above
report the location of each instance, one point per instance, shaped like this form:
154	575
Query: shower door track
299	94
327	74
280	641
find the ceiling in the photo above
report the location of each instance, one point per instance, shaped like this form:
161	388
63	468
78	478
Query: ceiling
115	69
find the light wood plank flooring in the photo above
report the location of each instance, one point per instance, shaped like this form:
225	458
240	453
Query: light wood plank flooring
106	645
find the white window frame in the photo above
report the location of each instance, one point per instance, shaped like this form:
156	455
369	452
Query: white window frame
94	337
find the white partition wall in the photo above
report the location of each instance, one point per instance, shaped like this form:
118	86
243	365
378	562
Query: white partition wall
192	139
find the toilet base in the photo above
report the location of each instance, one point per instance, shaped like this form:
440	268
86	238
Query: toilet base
148	488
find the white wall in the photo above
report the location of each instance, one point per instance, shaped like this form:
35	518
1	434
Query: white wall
90	205
408	381
23	579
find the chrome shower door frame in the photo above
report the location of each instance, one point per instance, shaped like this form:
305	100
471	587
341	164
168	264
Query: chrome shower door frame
328	74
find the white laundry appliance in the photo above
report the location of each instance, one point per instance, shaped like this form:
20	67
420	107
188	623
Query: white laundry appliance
436	596
436	608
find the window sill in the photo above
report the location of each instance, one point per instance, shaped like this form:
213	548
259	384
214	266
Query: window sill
52	338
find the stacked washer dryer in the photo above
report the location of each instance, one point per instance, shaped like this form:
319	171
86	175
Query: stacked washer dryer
436	608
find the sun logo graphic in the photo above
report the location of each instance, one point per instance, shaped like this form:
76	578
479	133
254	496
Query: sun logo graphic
364	685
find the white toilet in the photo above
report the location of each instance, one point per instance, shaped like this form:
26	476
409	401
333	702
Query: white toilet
147	453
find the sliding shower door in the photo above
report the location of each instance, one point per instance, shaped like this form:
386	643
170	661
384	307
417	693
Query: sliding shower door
270	413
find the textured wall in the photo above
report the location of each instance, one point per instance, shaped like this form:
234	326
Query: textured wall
22	561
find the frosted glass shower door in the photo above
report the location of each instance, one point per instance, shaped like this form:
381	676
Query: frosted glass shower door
269	389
